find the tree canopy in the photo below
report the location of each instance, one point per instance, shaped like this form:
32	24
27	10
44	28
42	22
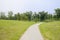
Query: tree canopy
31	16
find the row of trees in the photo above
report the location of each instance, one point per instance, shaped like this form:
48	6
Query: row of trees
30	16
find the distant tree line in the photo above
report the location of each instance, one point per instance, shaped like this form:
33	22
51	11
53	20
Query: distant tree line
30	16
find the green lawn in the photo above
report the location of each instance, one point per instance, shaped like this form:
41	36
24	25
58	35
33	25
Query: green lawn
13	30
50	30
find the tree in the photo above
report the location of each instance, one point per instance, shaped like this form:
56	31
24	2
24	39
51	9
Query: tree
49	16
57	13
35	17
18	16
15	17
43	15
10	15
28	15
2	15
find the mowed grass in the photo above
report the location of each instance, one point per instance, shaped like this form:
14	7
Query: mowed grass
50	30
13	30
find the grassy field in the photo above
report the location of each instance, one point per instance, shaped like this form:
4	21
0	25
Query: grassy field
50	30
12	30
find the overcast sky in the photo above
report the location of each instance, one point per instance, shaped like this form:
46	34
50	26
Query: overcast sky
29	5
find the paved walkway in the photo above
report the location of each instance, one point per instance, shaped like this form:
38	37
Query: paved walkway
32	33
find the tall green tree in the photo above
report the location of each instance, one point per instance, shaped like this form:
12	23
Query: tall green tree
10	15
18	16
2	15
43	15
35	17
49	16
57	13
15	17
28	15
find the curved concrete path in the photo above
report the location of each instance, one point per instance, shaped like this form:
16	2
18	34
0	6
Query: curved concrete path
32	33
